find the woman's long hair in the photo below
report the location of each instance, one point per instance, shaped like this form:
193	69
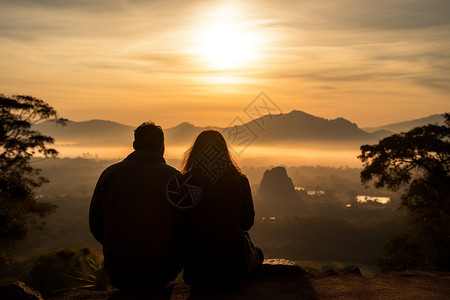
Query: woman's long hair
209	154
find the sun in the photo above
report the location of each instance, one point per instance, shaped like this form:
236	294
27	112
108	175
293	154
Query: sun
225	42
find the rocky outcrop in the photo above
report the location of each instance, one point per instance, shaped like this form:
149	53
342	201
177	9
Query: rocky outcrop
399	285
276	184
347	270
19	291
277	279
277	195
282	279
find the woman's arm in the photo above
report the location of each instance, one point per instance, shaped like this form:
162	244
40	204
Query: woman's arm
247	216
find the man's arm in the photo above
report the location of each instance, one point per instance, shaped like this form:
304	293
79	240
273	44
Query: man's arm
96	211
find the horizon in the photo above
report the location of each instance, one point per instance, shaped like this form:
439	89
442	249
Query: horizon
297	150
212	125
205	62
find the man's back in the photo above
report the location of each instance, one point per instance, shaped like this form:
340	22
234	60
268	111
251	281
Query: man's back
132	218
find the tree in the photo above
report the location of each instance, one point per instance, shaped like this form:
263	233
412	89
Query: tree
18	178
419	162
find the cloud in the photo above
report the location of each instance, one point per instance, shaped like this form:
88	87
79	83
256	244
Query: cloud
442	84
316	48
366	14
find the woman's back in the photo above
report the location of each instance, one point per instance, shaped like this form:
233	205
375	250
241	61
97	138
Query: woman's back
215	242
215	239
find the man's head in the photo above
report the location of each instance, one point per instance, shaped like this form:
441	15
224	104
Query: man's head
149	136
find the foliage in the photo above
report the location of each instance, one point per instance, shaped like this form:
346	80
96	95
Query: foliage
419	161
402	253
16	270
324	238
67	269
18	179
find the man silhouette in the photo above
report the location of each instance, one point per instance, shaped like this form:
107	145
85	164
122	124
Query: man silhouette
132	218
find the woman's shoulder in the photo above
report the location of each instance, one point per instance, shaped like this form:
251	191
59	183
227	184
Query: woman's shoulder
226	178
243	177
237	178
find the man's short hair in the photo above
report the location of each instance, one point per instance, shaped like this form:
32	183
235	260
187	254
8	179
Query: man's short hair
148	136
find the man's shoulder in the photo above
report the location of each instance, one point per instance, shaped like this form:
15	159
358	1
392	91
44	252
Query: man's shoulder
170	168
165	171
109	171
112	167
130	166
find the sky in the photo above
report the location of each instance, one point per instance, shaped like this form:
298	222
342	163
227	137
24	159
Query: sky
204	62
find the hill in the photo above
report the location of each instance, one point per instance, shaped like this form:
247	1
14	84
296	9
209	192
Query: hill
93	132
408	125
296	126
182	134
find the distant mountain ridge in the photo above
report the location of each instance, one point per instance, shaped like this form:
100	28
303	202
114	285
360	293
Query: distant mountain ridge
93	132
295	126
407	125
298	125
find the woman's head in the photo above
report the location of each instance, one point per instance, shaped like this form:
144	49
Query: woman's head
209	155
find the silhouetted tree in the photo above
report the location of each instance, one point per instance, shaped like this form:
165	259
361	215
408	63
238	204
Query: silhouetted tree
18	179
419	161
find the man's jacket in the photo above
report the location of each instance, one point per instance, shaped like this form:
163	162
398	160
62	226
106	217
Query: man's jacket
133	220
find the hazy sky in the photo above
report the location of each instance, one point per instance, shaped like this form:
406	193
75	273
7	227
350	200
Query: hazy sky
372	62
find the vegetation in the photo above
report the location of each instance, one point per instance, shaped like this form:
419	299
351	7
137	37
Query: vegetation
58	271
18	179
323	238
419	162
402	253
67	269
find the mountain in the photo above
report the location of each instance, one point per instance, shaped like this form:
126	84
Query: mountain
300	126
296	126
408	125
184	133
293	127
93	132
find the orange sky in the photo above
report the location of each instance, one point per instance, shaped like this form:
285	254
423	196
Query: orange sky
372	62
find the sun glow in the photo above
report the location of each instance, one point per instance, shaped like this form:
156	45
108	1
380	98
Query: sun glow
225	41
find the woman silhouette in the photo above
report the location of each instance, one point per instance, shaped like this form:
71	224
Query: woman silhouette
219	251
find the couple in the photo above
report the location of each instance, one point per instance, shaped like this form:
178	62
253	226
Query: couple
147	240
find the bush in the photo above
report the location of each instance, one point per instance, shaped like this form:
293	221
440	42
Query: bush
67	269
402	253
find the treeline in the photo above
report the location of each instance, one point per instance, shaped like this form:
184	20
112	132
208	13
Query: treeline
324	238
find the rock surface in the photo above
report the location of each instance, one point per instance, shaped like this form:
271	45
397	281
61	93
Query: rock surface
19	291
401	285
283	279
